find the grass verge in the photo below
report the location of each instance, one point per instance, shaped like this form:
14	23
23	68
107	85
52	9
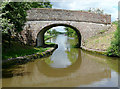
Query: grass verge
101	41
17	50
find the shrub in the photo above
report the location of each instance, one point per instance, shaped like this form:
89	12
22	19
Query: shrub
114	49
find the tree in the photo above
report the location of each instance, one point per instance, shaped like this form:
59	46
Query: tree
46	4
114	49
96	10
15	13
54	32
13	16
4	22
70	32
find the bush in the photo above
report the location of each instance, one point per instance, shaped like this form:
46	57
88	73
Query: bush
114	49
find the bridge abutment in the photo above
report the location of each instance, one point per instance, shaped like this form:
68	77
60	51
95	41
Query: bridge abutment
40	40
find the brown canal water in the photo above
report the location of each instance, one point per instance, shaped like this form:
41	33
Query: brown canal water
66	67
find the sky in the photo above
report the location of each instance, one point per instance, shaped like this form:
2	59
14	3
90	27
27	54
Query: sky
59	28
109	6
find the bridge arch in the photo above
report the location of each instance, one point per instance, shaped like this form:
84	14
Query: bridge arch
39	20
40	36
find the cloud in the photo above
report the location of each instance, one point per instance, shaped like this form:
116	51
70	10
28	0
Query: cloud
109	6
59	28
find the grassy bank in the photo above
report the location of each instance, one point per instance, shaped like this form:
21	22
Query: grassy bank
18	49
102	41
46	37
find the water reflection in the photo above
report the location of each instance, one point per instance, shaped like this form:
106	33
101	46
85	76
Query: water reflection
67	67
64	56
59	72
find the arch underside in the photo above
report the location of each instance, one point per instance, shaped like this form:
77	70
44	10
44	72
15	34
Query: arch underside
86	24
40	37
33	33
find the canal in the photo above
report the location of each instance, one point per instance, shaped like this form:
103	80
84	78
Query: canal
66	67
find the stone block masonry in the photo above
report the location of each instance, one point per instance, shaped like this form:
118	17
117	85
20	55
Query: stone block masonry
43	14
86	24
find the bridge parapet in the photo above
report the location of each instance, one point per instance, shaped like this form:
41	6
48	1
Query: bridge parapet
47	14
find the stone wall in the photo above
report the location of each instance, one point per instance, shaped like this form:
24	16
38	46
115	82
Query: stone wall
87	24
45	14
86	29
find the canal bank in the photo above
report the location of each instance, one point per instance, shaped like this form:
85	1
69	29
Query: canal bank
66	67
94	50
27	58
101	42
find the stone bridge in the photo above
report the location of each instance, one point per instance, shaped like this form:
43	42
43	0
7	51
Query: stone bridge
86	24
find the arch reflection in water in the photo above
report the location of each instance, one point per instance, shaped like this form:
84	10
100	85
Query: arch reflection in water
82	71
64	55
